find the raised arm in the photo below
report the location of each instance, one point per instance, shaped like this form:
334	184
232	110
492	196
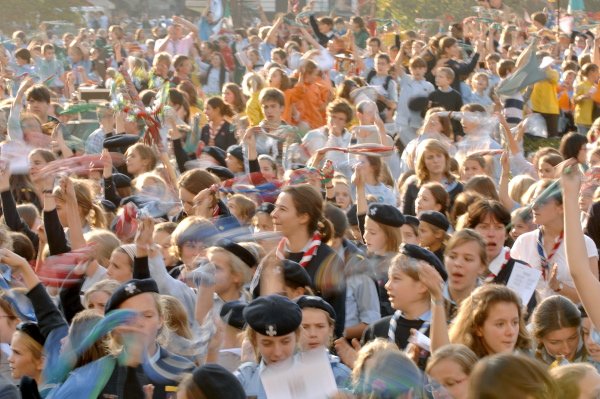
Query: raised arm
439	328
586	283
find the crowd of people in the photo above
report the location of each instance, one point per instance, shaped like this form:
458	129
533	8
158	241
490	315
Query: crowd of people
311	207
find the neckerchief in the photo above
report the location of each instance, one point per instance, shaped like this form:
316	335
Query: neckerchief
505	258
426	317
309	250
545	260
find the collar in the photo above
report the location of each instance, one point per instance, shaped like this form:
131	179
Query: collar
496	264
426	316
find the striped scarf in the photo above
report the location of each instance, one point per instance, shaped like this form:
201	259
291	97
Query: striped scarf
309	250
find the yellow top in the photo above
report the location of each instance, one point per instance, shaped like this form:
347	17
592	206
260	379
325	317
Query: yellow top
584	108
543	97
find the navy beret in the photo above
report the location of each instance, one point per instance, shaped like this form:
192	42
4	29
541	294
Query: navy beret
293	274
435	218
352	216
121	180
128	290
221	172
120	142
411	220
215	381
385	214
273	315
107	205
265	207
239	251
236	151
232	313
312	301
418	104
33	331
217	153
416	252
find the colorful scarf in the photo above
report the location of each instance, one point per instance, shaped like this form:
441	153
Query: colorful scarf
309	251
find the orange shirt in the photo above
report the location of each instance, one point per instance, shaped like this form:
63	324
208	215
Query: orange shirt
310	100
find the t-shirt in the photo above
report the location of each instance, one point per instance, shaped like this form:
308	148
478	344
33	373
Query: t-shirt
584	108
525	249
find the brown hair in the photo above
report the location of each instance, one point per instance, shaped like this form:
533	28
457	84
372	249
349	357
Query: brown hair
459	354
81	325
474	311
341	106
421	170
482	185
468	235
246	206
176	318
507	375
196	180
271	94
146	153
89	210
308	201
239	104
439	193
218	104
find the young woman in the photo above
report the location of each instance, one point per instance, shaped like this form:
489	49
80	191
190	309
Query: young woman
190	240
274	329
371	170
451	366
298	215
242	208
233	265
491	220
433	165
549	255
216	75
522	222
262	218
556	327
433	227
318	320
120	266
490	321
573	145
96	297
218	132
432	197
465	261
343	194
139	159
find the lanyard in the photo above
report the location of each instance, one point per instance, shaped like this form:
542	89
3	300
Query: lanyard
545	260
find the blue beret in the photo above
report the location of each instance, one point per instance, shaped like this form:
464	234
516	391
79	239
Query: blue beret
128	290
107	205
416	252
217	153
385	214
236	151
221	172
273	315
312	301
232	313
435	218
215	381
121	180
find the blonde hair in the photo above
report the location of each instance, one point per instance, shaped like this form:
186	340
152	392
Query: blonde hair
36	349
252	83
88	209
421	170
468	235
175	316
567	378
238	267
146	153
106	286
407	265
474	311
154	178
458	353
103	242
393	236
179	236
367	352
518	186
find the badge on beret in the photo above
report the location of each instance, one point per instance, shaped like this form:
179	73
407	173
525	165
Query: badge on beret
271	331
130	288
373	210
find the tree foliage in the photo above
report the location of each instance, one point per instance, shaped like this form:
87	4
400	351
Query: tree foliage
20	14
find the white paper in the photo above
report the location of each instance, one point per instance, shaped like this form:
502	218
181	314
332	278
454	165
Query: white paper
309	377
524	280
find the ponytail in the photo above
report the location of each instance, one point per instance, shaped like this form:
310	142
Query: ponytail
96	217
325	228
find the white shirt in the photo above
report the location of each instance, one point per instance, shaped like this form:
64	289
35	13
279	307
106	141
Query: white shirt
176	47
525	249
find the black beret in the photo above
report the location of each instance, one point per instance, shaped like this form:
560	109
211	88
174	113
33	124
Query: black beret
128	290
273	315
33	331
435	218
239	251
221	172
415	251
215	381
236	151
338	219
120	142
121	180
411	220
217	153
312	301
352	216
232	313
265	207
107	205
385	214
418	104
293	274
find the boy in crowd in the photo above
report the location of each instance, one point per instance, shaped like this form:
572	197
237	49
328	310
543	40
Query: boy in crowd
95	141
50	69
445	96
387	100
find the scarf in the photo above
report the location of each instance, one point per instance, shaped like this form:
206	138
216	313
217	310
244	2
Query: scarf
309	250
